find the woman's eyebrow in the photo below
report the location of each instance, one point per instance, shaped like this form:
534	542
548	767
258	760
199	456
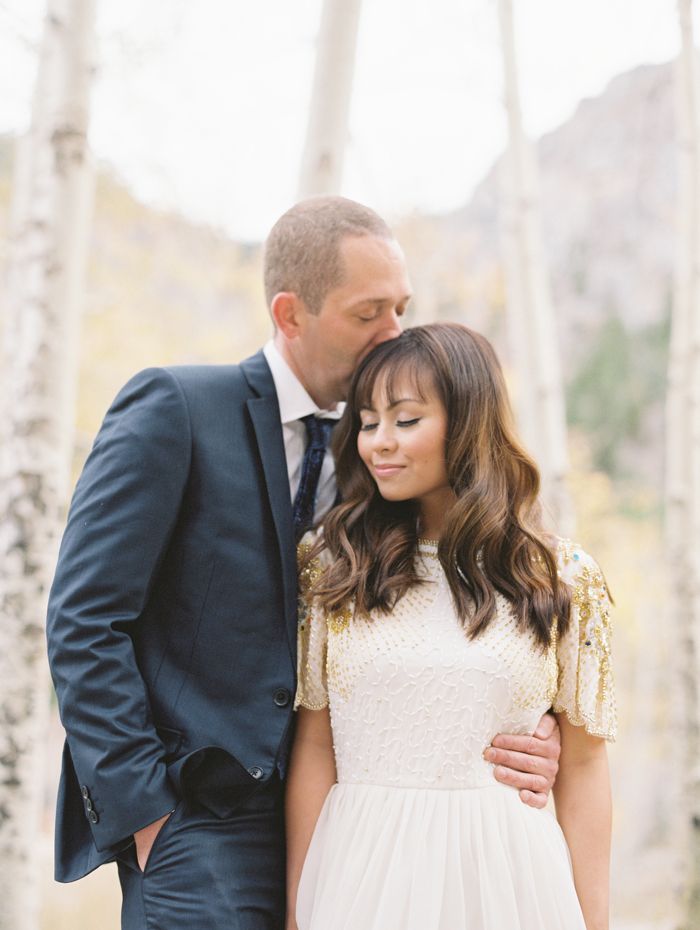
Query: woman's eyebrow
405	400
400	400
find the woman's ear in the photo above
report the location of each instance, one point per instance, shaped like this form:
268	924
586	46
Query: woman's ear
289	313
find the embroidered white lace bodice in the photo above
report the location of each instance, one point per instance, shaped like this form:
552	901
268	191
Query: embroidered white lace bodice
414	702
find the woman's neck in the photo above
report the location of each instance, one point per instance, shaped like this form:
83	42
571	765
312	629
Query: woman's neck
434	511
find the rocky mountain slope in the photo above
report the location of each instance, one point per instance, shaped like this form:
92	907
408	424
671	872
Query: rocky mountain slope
608	188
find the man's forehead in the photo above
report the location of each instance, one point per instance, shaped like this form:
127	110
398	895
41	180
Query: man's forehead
373	272
366	244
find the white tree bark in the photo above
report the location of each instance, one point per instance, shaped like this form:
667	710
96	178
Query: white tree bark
683	461
531	321
51	210
327	131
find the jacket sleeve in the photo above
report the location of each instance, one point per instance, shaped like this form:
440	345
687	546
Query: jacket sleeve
120	522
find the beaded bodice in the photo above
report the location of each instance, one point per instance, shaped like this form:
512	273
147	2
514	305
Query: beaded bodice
414	702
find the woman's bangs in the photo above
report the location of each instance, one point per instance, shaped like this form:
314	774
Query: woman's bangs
395	375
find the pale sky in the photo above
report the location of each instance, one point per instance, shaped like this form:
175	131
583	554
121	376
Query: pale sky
201	105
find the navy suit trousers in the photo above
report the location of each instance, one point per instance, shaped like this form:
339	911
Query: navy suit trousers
209	873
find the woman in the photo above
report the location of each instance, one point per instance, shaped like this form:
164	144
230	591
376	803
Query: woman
440	613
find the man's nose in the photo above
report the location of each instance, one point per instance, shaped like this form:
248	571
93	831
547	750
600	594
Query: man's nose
391	328
395	329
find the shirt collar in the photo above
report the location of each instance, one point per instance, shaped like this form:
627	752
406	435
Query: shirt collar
292	396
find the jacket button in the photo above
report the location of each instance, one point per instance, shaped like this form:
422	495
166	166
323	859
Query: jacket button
256	771
88	804
281	697
85	793
93	817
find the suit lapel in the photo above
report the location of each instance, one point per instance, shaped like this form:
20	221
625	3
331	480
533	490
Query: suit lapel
265	415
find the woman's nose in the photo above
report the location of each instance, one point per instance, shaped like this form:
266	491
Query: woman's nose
384	438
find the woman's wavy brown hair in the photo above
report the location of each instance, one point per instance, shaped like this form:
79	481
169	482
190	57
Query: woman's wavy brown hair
493	539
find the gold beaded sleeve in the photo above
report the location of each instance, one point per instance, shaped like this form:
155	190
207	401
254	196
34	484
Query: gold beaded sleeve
312	640
585	688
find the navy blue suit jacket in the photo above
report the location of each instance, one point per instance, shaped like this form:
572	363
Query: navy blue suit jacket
172	617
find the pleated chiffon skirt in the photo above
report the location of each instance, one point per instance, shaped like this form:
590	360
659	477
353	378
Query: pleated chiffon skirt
387	858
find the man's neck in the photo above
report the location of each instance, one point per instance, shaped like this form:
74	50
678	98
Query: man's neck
322	400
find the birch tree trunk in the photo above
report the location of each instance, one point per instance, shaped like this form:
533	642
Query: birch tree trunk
51	210
327	131
540	403
683	461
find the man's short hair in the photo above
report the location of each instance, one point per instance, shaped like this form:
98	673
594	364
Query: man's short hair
302	252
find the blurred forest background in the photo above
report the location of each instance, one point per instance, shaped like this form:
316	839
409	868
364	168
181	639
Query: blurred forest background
164	290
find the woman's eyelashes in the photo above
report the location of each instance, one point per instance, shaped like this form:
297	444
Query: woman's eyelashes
366	427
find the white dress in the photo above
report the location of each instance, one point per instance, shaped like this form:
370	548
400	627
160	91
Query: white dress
417	834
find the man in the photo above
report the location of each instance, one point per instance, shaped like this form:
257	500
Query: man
172	618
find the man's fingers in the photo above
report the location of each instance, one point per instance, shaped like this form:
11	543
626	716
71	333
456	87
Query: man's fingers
529	764
521	780
533	799
546	726
528	745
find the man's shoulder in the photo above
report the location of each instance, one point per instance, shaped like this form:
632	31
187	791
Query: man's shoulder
193	377
249	377
197	392
252	373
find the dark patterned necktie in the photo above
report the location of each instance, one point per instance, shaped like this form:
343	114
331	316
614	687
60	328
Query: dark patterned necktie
317	435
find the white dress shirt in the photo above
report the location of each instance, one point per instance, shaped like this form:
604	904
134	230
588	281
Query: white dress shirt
295	403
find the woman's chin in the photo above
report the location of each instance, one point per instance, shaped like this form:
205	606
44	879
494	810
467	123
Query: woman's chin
393	494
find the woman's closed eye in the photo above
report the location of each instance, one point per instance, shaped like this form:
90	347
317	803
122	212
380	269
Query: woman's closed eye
366	427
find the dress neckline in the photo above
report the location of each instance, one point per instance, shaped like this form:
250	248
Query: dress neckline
427	556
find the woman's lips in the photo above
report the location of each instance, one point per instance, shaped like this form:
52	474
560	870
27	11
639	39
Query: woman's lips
385	471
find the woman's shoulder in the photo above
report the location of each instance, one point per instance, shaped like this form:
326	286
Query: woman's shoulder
585	682
574	563
590	598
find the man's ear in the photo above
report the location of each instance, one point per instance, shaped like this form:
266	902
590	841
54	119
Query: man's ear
289	313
